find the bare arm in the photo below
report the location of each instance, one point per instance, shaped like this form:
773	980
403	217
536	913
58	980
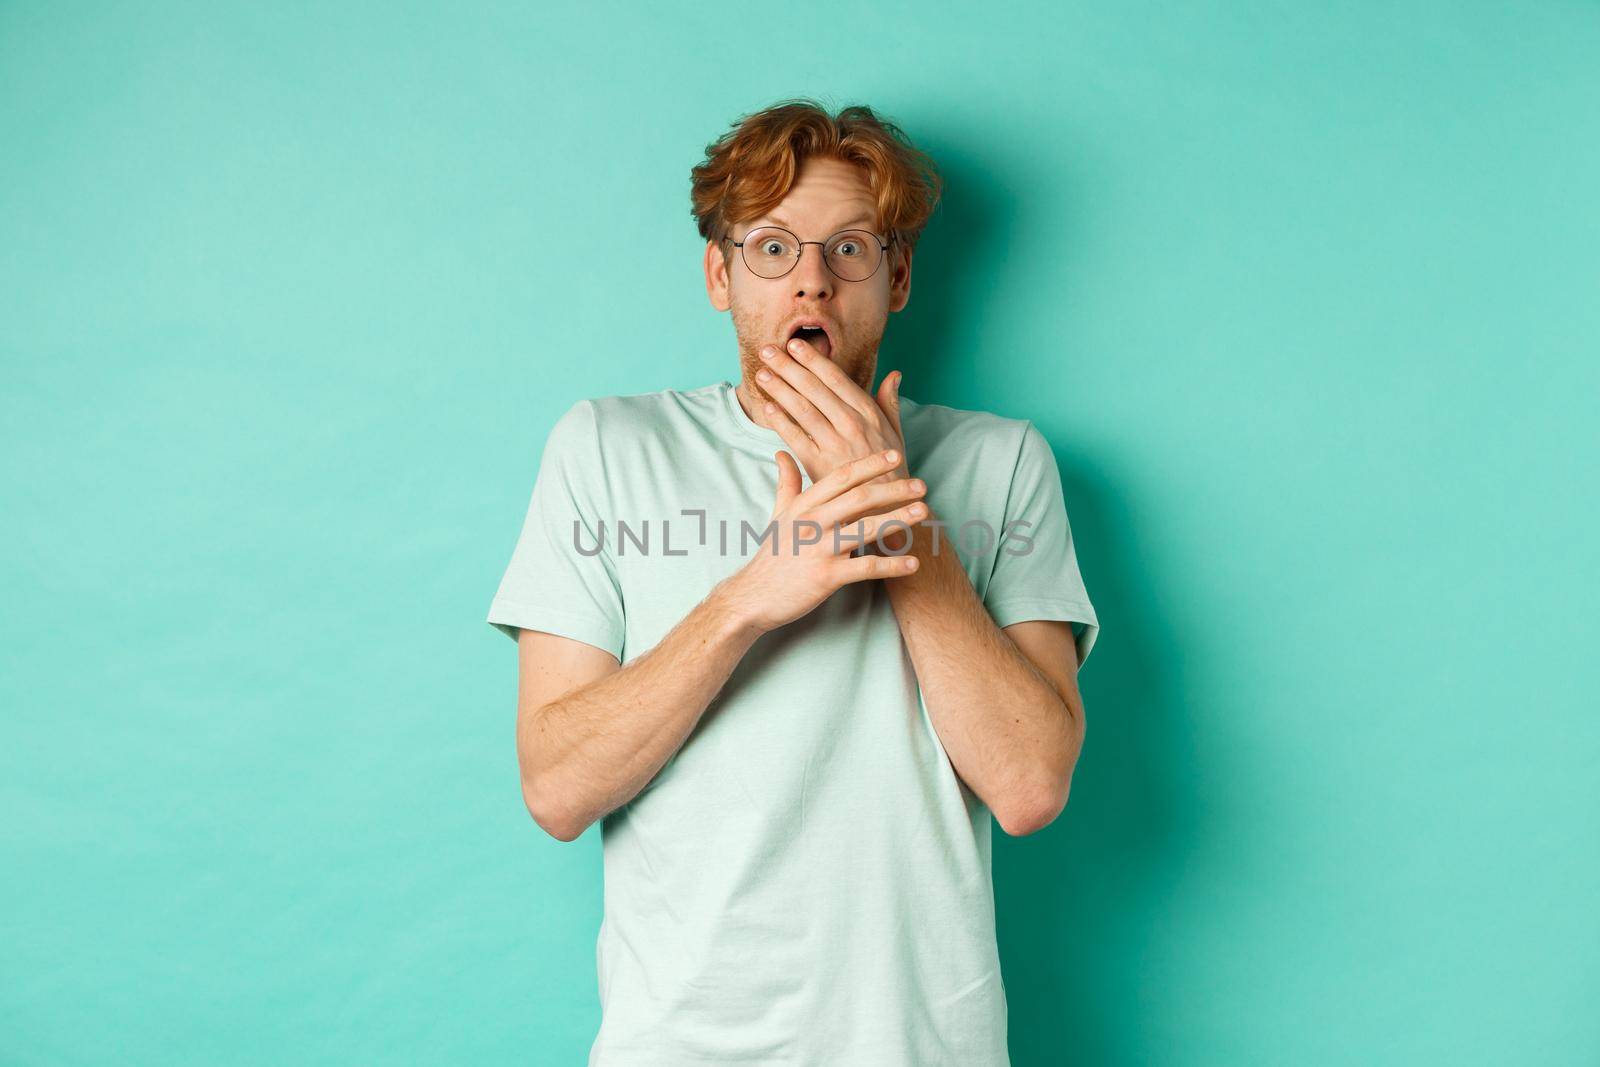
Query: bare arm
1005	702
591	733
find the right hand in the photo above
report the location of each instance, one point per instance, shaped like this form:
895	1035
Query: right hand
776	588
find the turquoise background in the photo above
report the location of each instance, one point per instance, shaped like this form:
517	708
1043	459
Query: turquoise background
1307	301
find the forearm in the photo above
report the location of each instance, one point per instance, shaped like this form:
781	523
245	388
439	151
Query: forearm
1008	733
595	748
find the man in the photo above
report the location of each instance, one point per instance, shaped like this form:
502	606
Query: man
794	745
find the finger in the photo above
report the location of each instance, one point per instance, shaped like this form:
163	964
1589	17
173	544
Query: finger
868	499
799	365
800	409
793	436
889	399
897	521
864	533
889	405
831	375
864	568
845	477
893	541
788	479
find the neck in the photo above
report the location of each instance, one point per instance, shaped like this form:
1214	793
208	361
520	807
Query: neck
751	403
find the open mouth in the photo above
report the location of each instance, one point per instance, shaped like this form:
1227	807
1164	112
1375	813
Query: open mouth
816	337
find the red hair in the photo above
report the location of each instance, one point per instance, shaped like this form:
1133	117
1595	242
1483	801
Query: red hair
749	170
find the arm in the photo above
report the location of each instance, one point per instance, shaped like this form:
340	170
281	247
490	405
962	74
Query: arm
591	734
1005	702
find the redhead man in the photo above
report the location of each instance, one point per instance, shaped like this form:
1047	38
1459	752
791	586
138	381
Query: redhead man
796	644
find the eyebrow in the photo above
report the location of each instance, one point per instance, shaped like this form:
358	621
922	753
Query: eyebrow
858	221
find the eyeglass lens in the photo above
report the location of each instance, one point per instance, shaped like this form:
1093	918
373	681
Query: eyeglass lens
771	252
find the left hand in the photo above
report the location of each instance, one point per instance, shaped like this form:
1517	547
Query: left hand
825	418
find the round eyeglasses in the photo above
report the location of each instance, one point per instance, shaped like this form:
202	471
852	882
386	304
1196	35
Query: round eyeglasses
772	252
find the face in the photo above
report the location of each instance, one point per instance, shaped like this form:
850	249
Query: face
827	196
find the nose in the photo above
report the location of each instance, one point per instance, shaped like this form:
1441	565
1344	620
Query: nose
811	275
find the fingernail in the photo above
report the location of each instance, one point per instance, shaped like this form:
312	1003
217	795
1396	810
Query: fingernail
796	345
763	374
768	352
917	485
891	455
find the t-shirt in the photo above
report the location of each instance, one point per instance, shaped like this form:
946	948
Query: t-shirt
806	881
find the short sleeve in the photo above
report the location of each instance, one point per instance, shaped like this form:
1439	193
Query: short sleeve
562	578
1036	565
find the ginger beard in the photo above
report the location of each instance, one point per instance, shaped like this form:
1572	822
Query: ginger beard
853	353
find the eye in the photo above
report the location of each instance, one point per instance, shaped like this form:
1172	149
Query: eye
773	247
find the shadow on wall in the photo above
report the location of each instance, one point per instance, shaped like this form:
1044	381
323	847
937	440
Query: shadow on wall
953	246
1079	903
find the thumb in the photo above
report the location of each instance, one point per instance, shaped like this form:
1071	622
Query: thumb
889	399
788	479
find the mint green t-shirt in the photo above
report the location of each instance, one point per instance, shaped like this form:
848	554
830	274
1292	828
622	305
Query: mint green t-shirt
806	881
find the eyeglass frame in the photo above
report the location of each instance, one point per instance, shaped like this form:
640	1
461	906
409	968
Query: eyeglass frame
883	246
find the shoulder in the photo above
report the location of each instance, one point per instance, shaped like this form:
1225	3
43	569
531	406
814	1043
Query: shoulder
964	438
625	418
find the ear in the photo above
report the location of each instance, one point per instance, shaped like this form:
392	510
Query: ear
717	280
900	278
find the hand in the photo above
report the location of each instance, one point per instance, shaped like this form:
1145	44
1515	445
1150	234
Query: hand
777	587
824	417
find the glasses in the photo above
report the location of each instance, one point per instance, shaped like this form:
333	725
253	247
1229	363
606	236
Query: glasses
772	252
